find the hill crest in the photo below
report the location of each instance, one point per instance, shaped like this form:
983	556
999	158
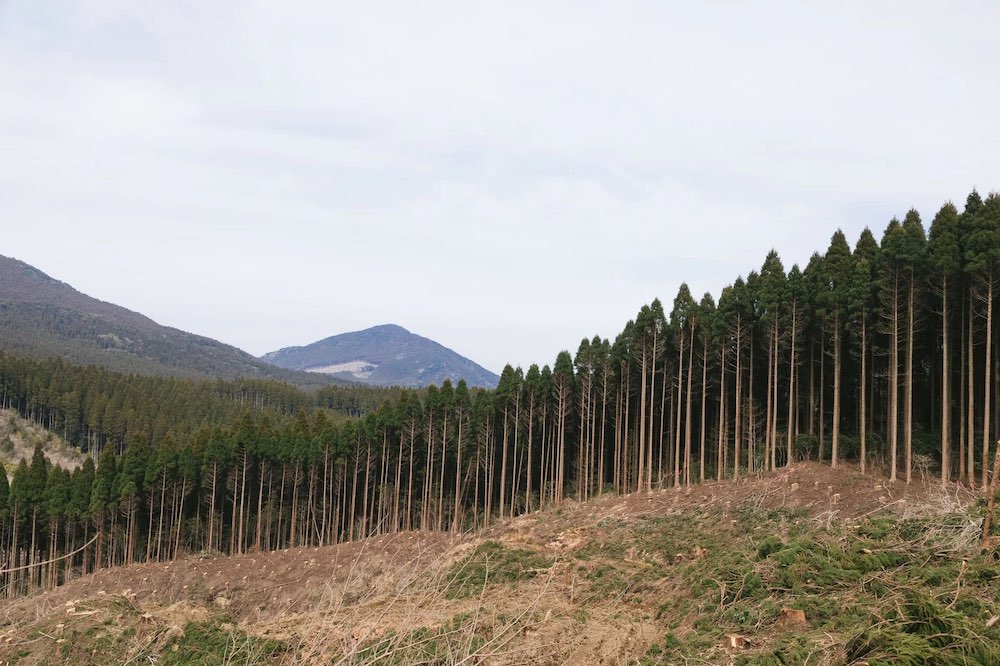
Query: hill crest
384	355
41	316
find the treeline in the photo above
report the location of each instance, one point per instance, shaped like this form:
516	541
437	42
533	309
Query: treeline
356	400
883	352
92	407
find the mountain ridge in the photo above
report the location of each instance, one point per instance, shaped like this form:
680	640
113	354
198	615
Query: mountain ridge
383	355
41	316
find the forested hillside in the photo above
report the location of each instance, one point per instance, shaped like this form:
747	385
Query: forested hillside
43	317
386	355
883	352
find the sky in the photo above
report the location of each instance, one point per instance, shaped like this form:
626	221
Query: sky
505	178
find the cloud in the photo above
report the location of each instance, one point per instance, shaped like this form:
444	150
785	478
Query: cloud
506	179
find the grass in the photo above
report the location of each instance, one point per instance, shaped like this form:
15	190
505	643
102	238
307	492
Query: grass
457	639
492	563
915	591
120	634
879	590
214	644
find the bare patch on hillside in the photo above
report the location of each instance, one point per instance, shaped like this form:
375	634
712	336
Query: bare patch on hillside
19	436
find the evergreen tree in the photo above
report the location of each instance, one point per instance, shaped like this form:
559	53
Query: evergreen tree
773	300
983	257
946	260
861	304
914	257
838	268
892	278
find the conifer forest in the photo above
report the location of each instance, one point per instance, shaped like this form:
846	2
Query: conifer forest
879	351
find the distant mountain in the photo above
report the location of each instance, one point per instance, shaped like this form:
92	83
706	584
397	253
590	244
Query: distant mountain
41	316
386	355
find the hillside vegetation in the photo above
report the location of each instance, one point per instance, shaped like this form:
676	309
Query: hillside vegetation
43	317
19	436
386	355
882	358
883	354
802	565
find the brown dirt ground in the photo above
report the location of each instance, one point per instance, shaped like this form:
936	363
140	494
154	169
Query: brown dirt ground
328	601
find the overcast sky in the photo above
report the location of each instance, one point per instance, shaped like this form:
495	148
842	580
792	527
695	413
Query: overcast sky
503	177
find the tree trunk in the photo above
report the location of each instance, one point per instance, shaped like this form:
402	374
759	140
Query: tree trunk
835	436
680	391
987	379
722	417
945	389
792	407
704	395
687	411
738	419
894	382
909	381
641	436
862	423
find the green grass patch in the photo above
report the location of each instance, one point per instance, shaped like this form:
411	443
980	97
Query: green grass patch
492	563
209	644
885	591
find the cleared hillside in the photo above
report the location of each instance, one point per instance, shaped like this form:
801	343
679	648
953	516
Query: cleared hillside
43	317
806	565
19	436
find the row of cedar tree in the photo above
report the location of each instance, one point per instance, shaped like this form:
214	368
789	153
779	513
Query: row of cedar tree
882	353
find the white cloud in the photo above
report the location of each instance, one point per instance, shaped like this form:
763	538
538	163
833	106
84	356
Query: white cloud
506	179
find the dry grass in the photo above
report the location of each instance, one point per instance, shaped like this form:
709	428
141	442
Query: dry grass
18	438
655	578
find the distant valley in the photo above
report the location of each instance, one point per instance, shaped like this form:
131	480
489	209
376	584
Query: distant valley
386	355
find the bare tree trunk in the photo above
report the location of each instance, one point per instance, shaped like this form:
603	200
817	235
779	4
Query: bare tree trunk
812	387
604	428
962	396
774	405
680	391
822	396
992	494
862	423
970	458
652	403
894	383
665	385
909	381
722	417
835	437
687	411
503	459
641	439
792	416
945	389
739	389
531	443
987	379
456	511
768	403
704	395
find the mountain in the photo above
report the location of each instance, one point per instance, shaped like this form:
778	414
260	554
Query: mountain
41	317
386	355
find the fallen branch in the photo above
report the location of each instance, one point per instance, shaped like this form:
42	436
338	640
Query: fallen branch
55	559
